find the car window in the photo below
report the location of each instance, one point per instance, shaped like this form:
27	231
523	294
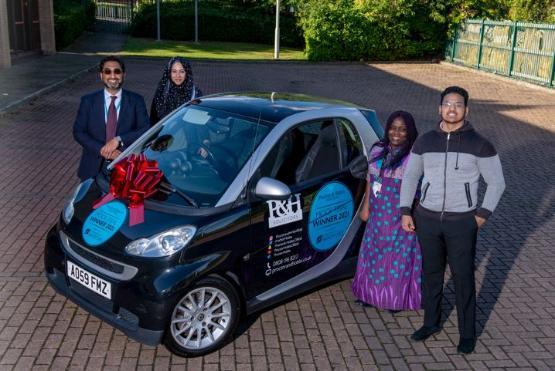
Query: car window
351	144
305	152
201	150
373	121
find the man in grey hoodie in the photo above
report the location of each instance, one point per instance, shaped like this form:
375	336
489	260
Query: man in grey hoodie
451	160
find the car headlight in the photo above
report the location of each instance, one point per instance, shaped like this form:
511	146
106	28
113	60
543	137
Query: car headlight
162	244
80	191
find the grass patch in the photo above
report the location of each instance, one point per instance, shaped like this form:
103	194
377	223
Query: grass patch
207	50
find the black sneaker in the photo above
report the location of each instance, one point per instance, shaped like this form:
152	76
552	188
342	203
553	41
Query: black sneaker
466	346
424	332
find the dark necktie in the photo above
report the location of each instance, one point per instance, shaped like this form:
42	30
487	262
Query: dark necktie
112	121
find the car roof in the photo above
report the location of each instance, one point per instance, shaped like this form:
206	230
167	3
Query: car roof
270	106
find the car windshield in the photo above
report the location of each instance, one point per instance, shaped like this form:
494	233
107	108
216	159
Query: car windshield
201	150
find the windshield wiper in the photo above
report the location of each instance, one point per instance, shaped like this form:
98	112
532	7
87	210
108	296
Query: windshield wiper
169	188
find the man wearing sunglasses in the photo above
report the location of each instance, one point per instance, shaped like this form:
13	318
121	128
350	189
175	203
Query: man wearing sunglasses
108	120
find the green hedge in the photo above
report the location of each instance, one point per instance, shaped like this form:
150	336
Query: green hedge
71	18
216	23
370	30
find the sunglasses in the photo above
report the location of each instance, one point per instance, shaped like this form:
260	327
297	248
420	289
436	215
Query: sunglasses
108	71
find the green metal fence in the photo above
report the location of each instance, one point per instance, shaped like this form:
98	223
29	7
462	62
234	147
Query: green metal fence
114	15
516	49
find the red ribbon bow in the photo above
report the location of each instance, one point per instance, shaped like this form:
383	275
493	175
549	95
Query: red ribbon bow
133	179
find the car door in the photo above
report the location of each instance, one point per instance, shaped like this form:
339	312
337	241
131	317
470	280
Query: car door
294	235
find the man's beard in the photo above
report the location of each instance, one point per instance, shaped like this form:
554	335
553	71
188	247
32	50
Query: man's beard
117	86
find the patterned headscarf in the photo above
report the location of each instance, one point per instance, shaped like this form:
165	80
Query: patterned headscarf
169	96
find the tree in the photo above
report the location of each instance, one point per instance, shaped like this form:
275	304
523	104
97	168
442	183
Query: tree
533	10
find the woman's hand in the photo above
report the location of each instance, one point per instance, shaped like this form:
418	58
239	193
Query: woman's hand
365	211
479	221
364	214
407	223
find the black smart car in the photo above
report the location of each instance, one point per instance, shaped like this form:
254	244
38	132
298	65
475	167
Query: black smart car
247	200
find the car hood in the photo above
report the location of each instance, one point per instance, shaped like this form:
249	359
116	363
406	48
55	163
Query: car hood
157	218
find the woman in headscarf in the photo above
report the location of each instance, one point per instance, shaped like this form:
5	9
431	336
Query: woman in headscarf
175	88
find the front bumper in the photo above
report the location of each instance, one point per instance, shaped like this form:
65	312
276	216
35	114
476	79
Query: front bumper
123	320
139	315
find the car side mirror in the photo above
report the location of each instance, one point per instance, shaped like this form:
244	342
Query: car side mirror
359	167
270	188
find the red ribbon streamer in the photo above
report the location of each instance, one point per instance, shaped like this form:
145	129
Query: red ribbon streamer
133	179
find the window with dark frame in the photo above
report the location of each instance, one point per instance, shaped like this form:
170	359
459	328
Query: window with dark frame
312	150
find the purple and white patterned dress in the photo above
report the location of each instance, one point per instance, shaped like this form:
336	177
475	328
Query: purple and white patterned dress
388	274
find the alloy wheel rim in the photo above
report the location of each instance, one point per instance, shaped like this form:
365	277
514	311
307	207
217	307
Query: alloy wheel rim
201	318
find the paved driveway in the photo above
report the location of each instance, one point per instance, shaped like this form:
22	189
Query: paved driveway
324	329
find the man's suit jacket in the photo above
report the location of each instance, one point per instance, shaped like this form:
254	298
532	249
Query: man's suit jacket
89	129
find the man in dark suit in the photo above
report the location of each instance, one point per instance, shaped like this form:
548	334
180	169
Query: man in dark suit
108	119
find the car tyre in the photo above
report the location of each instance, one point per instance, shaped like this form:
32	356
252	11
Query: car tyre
204	319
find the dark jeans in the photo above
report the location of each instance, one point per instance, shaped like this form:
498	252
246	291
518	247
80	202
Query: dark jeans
451	240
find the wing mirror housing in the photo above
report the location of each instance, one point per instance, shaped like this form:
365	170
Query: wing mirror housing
270	188
359	167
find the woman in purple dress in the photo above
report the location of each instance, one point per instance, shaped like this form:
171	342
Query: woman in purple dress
389	263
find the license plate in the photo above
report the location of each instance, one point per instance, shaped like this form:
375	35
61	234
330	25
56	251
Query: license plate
89	280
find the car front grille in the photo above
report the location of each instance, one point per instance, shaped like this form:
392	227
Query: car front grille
96	259
102	264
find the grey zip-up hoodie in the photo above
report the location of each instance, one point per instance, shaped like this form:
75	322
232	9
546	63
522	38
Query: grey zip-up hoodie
452	164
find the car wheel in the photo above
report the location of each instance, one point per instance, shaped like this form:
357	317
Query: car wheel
204	319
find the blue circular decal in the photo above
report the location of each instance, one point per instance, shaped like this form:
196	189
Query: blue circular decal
104	222
330	215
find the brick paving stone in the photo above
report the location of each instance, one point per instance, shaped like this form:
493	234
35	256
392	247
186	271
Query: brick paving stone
33	348
259	362
336	357
353	363
21	340
46	356
399	364
274	355
8	333
113	359
128	363
440	366
210	359
460	361
176	361
324	329
243	355
11	356
270	342
322	363
79	359
291	363
161	363
24	363
308	367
